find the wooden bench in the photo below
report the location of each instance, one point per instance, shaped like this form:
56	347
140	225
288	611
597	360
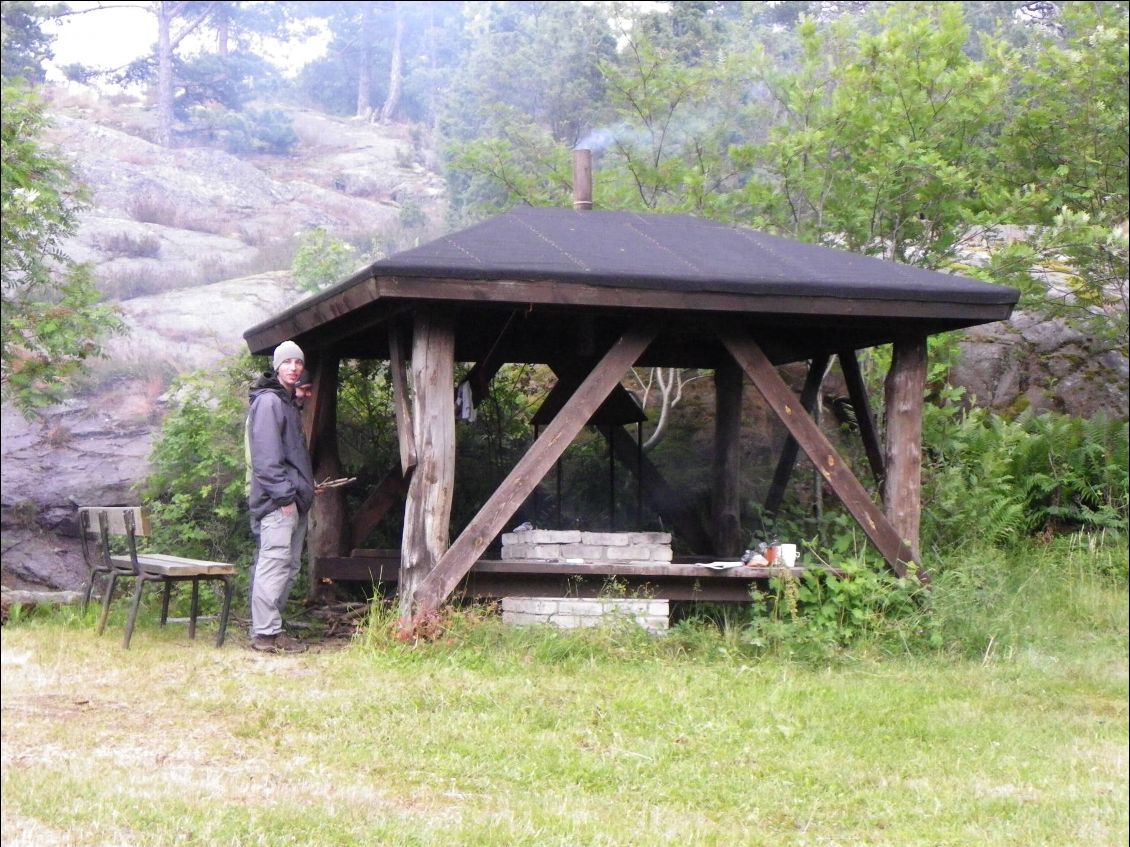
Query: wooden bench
98	524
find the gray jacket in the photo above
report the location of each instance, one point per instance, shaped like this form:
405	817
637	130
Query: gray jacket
278	459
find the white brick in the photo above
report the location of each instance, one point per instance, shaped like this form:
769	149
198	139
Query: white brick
523	619
588	552
640	552
580	607
552	536
605	539
625	607
550	552
530	605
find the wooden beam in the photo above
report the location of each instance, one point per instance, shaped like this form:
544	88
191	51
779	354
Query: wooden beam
725	492
427	512
530	292
389	491
530	469
868	431
828	462
904	389
311	313
405	435
809	396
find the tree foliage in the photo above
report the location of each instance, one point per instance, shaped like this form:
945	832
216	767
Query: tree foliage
52	320
26	46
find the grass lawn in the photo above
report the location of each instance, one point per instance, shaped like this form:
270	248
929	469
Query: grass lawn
1012	733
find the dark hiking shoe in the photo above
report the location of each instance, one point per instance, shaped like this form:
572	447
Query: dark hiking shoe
278	643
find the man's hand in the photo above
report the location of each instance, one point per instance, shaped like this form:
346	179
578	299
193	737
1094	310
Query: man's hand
289	509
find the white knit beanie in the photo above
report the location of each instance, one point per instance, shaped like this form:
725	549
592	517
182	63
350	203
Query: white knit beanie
287	350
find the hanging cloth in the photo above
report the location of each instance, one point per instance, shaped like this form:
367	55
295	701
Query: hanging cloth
464	402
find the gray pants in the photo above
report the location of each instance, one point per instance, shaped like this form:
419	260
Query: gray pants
276	568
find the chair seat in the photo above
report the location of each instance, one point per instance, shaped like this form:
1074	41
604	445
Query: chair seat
158	564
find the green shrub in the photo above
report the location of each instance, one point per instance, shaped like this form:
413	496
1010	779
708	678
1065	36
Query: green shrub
321	260
267	131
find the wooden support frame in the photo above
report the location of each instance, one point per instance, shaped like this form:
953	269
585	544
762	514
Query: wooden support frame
725	500
530	469
831	466
904	388
857	393
401	402
427	512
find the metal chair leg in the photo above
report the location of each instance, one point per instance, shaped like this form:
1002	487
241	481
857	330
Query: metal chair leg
133	607
195	608
86	595
229	588
166	592
106	598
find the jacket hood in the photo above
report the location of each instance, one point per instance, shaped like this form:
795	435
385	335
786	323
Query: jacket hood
267	382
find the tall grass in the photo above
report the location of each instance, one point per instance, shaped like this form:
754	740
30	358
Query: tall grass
1012	730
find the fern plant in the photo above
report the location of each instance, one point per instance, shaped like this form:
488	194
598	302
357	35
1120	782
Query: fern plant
993	481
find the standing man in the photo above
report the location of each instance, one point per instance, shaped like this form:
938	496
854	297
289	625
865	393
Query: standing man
281	494
303	389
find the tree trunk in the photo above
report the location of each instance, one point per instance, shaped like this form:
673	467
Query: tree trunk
427	513
395	72
165	13
365	64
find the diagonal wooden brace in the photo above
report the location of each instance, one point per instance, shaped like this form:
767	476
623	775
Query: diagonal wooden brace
530	469
749	356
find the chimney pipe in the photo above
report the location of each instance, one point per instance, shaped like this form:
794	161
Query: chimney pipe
582	180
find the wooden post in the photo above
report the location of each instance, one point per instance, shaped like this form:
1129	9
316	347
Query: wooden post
726	490
904	389
427	512
328	532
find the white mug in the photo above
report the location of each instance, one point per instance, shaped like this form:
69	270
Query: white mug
787	555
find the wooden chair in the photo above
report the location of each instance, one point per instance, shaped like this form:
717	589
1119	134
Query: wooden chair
144	568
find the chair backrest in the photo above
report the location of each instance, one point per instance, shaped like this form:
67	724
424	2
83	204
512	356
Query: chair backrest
116	520
102	522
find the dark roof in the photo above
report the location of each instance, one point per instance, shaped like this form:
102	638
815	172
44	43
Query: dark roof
556	265
673	253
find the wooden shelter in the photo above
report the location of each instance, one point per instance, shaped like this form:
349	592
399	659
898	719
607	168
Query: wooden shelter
591	294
